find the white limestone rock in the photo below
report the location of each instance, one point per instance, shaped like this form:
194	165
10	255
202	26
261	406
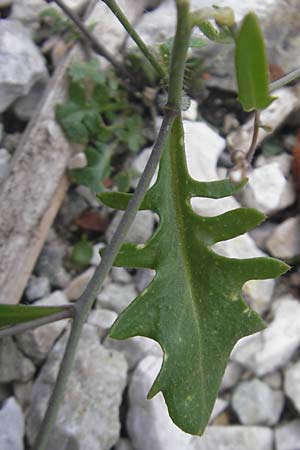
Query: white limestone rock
26	106
232	375
261	234
268	190
143	278
89	416
5	3
148	423
282	42
287	101
76	287
234	438
107	27
96	258
274	380
287	436
123	444
103	319
116	297
203	148
11	426
272	348
192	112
78	161
5	392
38	342
258	293
292	384
256	403
29	11
284	160
135	349
120	275
284	242
219	407
141	229
4	163
37	287
22	392
51	261
21	63
14	366
139	164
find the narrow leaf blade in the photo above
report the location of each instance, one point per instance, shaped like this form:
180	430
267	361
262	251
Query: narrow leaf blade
14	314
252	66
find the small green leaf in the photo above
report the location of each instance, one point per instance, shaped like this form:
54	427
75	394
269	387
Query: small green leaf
271	148
252	66
14	314
220	35
196	42
132	132
77	93
82	253
123	180
81	70
98	168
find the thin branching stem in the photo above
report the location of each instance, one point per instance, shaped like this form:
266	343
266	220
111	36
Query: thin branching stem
67	313
86	301
98	48
252	148
114	7
243	159
286	79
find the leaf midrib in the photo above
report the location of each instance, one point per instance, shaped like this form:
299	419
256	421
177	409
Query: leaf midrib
179	206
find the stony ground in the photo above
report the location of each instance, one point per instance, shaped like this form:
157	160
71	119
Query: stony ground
258	406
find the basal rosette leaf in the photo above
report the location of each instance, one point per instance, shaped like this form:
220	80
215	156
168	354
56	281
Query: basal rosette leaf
193	308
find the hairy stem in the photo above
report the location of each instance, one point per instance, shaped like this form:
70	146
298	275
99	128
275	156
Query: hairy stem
114	7
179	54
95	44
67	313
85	302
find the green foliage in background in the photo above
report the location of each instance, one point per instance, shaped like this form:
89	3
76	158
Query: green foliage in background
82	253
99	115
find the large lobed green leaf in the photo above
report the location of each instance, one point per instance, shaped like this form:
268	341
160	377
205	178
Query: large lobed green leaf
252	66
193	308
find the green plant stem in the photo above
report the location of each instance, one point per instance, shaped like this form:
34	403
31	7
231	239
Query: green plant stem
114	7
251	151
286	79
179	54
67	313
95	44
85	302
